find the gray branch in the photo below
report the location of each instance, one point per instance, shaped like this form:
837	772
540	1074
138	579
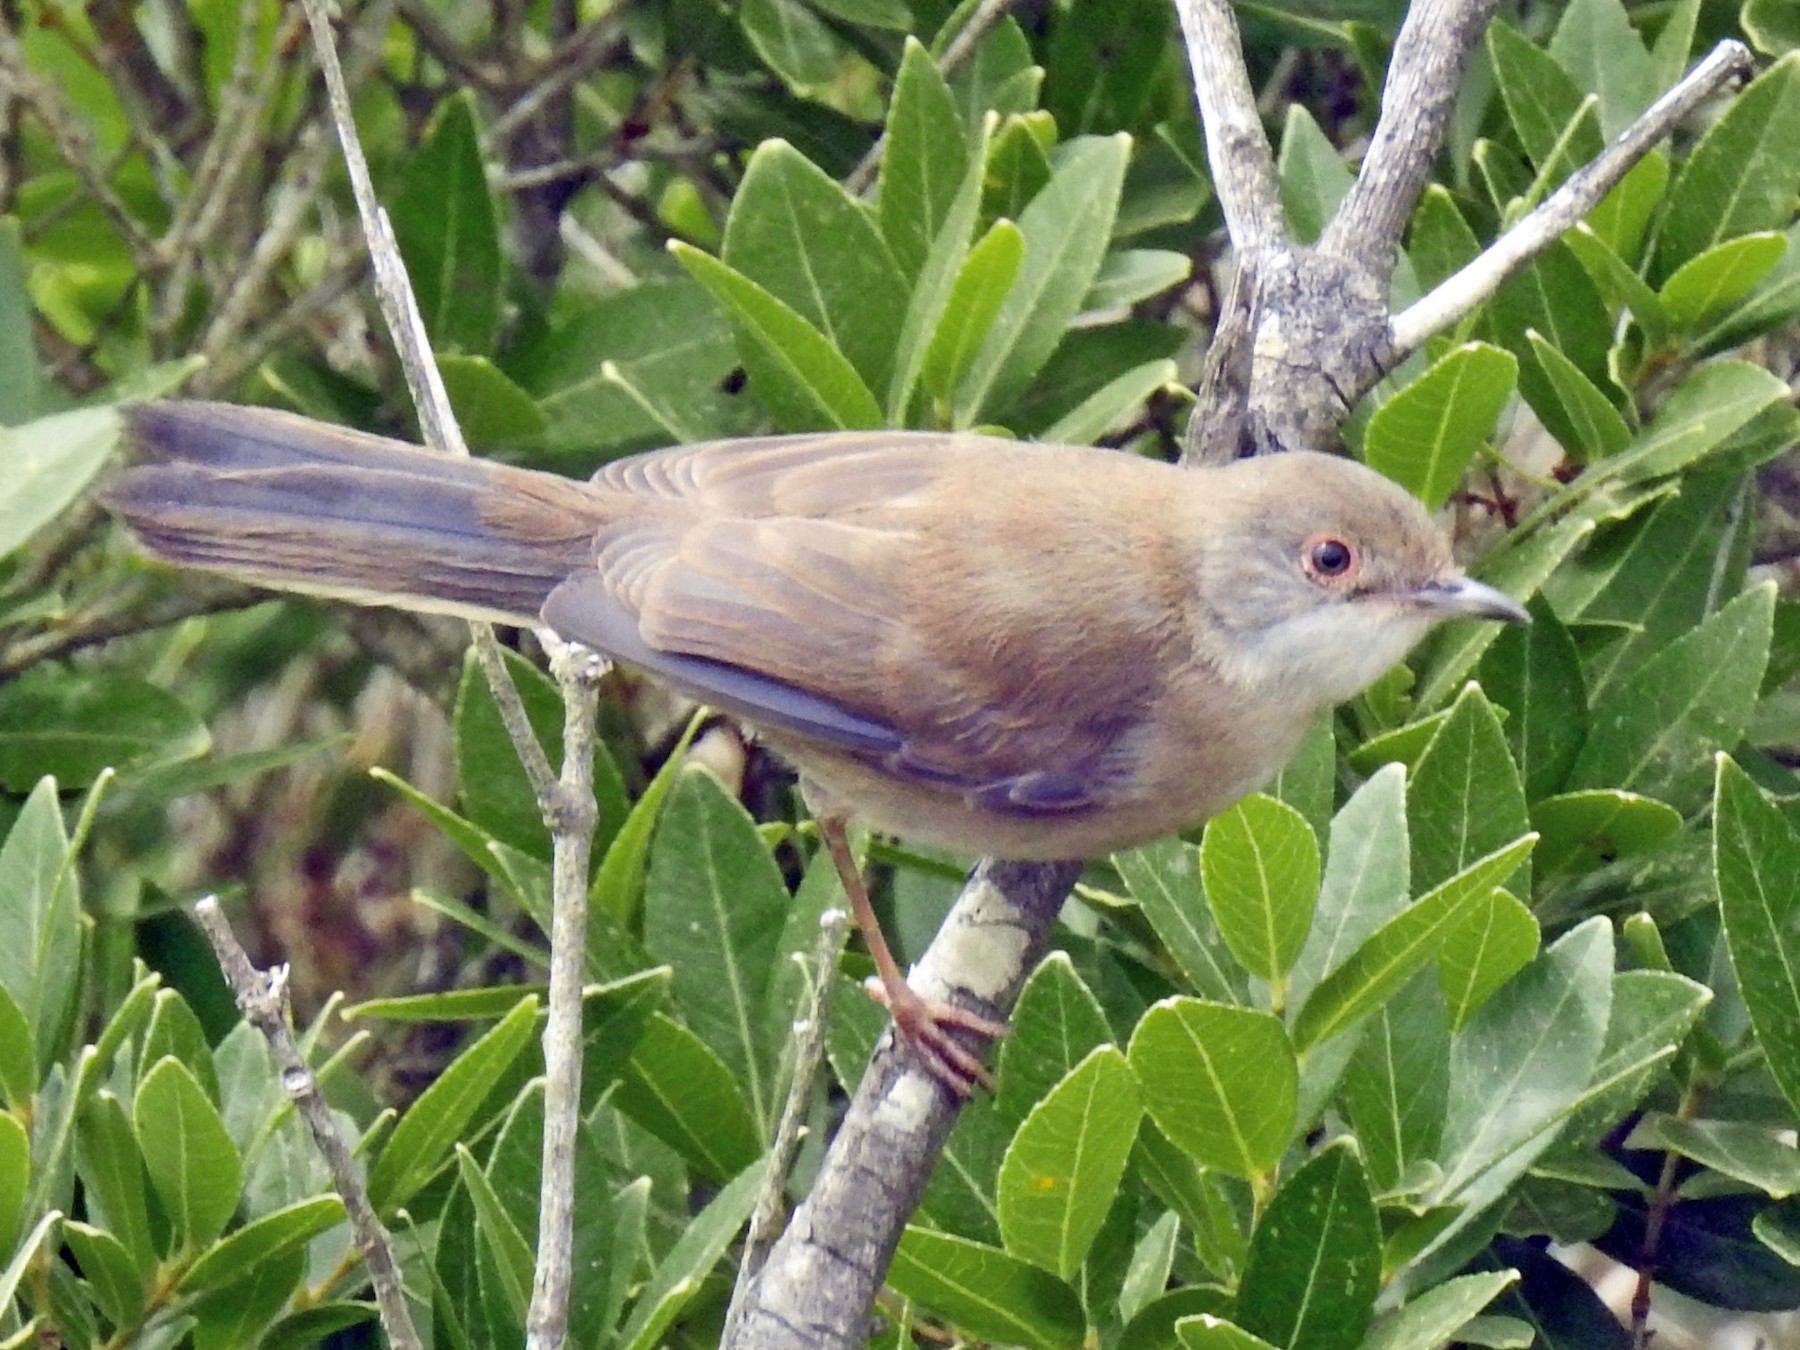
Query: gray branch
1430	56
1580	193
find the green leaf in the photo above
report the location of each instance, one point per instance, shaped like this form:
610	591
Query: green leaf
1756	864
48	464
1394	951
619	882
421	1142
1220	1082
1657	576
1366	877
1772	25
22	391
1164	878
1522	1061
931	304
1315	1259
982	284
18	1063
1397	1085
1752	1154
109	1164
641	368
1442	243
714	909
677	1277
40	920
1424	436
1709	283
1435	1316
1772	305
1654	730
1558	130
227	1321
448	230
175	1031
1652	1011
15	1177
796	233
1625	213
795	370
1259	864
1553	296
1595	42
267	1238
1065	229
1494	942
797	44
1197	1196
1742	175
507	1249
1582	831
1699	416
1207	1332
985	1293
1129	275
1056	1024
1465	798
1593	425
679	1089
1534	672
923	164
188	1154
1064	1165
493	411
74	724
121	1290
1112	403
1313	177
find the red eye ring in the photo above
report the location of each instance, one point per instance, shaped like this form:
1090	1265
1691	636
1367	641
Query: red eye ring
1330	560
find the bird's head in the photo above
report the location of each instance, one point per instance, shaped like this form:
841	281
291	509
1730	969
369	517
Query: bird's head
1319	575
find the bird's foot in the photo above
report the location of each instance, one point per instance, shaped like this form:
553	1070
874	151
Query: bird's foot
924	1025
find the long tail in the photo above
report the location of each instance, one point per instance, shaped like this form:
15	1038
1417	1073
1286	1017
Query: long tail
298	505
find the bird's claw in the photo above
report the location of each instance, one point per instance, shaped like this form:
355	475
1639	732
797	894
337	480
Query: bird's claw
923	1024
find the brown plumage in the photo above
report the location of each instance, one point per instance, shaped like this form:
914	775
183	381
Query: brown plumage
1024	650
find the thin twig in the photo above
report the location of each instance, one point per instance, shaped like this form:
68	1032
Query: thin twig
1580	193
578	673
567	805
263	1001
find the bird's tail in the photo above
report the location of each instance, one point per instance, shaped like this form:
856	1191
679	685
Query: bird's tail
299	505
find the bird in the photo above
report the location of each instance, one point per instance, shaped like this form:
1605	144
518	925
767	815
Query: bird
1029	651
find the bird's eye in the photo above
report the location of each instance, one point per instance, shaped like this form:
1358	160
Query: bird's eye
1328	558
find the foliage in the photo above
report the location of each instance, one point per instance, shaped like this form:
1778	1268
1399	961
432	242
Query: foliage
1504	955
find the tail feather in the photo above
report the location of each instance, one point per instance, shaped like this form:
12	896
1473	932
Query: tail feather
301	506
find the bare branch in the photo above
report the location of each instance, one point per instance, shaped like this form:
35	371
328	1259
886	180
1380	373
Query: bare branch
1430	56
1580	193
1236	148
578	673
817	1287
263	1001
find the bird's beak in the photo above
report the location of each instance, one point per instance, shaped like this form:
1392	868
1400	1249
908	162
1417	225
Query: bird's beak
1464	598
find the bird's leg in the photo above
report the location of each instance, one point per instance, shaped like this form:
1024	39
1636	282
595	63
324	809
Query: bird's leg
922	1023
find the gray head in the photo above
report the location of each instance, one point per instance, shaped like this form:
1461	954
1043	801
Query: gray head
1322	574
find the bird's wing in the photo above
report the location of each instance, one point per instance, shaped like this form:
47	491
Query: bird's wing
801	587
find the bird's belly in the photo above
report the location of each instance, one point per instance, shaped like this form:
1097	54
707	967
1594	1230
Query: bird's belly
1174	784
